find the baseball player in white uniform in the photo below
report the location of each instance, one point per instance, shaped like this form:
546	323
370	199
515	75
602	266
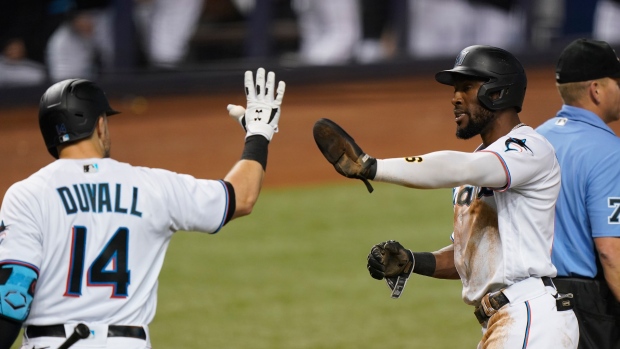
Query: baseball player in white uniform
73	235
504	204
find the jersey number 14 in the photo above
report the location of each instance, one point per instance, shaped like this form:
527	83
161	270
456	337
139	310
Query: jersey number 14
108	269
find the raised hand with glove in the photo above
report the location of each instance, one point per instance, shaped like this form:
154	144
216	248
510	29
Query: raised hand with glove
262	113
261	116
259	119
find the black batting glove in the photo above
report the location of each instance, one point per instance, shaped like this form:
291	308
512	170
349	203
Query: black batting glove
375	265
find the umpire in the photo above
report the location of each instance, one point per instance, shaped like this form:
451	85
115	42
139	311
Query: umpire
586	247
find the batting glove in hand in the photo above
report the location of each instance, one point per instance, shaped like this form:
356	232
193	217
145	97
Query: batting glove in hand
390	260
262	113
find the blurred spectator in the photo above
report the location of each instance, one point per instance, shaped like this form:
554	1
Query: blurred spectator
438	27
499	23
16	69
606	21
165	28
375	17
442	27
83	45
31	21
545	21
25	26
329	30
268	23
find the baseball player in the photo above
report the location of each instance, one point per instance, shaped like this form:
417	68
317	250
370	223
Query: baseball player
586	246
73	235
503	206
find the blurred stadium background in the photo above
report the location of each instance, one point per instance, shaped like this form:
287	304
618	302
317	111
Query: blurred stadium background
151	47
293	274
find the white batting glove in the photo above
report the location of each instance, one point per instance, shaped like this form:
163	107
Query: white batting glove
262	113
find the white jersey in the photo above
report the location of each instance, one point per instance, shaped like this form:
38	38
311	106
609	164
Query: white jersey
97	230
504	235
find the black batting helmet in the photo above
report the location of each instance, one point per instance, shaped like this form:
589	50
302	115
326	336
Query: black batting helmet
501	70
69	111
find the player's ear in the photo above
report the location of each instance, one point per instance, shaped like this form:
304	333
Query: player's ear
101	127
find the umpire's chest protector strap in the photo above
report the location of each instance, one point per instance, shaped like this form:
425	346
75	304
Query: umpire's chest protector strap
17	284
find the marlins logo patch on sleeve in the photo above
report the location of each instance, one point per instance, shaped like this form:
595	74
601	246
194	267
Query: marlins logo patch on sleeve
518	145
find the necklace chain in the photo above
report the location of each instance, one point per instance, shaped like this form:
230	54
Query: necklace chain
519	125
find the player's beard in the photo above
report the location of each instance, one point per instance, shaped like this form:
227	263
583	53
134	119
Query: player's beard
479	119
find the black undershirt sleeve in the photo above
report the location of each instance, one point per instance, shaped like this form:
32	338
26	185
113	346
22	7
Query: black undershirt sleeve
232	204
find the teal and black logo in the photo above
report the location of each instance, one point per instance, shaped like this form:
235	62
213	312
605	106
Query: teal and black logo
518	145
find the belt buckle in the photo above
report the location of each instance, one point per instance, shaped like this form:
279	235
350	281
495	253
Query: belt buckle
489	305
485	310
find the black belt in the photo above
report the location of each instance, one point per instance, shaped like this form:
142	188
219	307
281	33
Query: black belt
498	300
59	331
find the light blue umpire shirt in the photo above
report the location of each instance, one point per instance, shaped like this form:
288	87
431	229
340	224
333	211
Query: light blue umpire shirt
589	202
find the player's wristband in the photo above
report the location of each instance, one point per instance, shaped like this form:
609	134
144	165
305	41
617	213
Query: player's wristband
372	169
424	263
256	148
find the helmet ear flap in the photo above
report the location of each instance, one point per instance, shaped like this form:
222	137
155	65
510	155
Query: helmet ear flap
496	96
491	97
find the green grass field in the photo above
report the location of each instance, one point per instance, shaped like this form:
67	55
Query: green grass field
293	275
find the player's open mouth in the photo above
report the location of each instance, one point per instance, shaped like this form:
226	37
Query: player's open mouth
459	115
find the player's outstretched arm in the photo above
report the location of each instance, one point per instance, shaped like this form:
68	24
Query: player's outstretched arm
246	177
389	259
260	120
443	169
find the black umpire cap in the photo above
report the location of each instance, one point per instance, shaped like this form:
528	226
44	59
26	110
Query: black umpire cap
585	59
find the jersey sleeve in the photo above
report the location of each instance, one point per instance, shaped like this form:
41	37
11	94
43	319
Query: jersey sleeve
20	232
196	204
526	158
603	198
